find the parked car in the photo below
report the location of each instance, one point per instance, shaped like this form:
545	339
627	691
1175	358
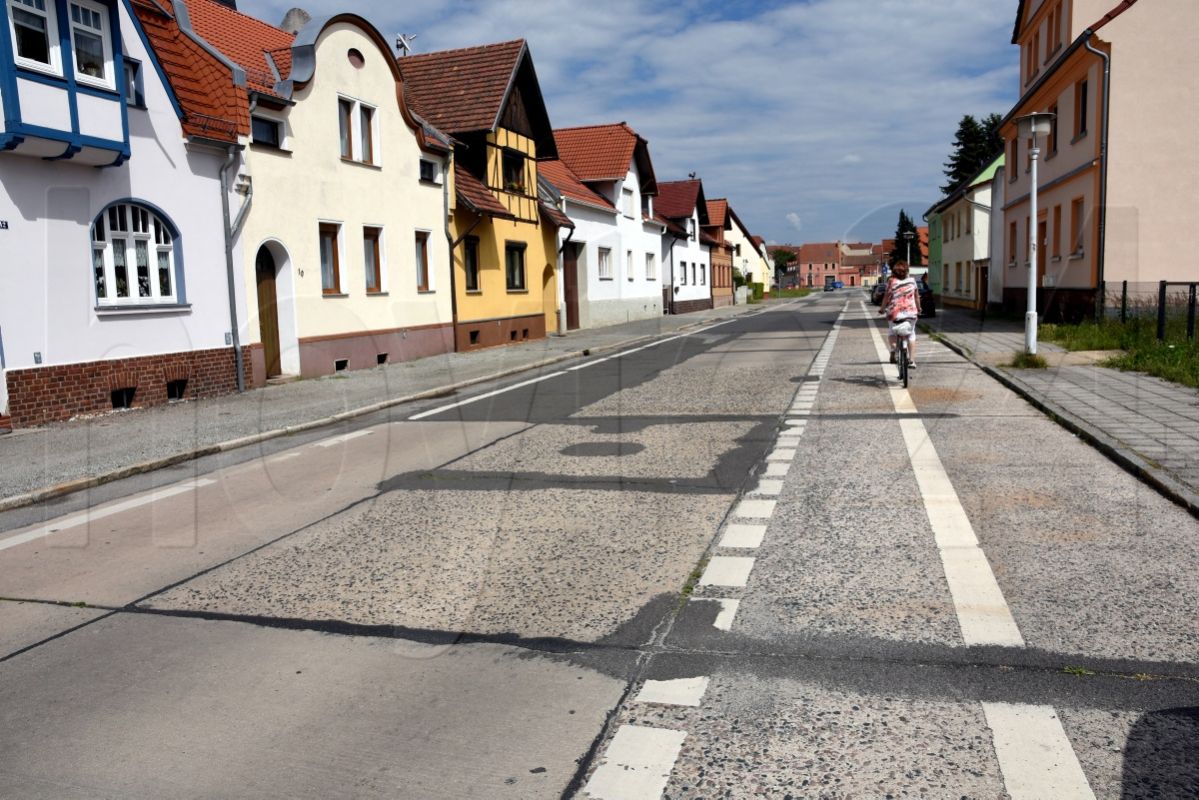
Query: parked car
876	294
828	287
928	307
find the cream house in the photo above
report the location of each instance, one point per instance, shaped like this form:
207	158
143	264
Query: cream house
749	257
346	250
964	222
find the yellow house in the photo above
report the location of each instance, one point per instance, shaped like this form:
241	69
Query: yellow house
504	235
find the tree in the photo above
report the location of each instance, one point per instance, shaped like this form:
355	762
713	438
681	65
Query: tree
975	145
782	258
901	244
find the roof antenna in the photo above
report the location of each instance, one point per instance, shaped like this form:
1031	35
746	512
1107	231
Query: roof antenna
404	43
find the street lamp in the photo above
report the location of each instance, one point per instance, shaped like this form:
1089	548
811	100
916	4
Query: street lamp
1030	127
909	235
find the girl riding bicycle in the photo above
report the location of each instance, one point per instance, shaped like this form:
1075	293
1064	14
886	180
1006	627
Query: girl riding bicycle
901	304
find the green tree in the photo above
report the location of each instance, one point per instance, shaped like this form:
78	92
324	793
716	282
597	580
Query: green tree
975	145
901	244
782	258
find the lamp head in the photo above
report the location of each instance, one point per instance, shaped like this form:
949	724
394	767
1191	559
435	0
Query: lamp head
1035	125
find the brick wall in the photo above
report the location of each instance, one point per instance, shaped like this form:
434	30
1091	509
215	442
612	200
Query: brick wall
55	393
687	306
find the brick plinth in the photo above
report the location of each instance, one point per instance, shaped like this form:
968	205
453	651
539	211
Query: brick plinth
688	306
58	392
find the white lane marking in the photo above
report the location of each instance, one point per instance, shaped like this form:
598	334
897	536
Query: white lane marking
680	692
637	764
983	613
781	454
732	571
728	613
768	488
336	440
1035	754
777	470
743	536
442	409
283	457
93	514
755	509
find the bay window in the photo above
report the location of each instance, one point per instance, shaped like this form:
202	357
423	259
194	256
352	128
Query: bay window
133	257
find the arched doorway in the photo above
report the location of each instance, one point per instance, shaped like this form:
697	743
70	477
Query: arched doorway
268	310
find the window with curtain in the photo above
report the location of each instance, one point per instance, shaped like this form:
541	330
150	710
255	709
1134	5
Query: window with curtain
133	257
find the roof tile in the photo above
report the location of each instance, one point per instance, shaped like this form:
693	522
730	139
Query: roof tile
244	40
477	197
597	152
568	183
677	199
463	90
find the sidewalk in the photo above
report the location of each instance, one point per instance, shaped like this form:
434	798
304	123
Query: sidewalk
1147	425
39	463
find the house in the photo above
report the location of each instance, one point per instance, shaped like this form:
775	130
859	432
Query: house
1118	159
345	252
819	263
936	265
761	269
504	235
996	275
720	251
857	262
112	147
964	227
686	257
749	253
611	269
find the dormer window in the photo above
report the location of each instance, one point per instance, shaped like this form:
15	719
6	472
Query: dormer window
34	34
514	172
92	44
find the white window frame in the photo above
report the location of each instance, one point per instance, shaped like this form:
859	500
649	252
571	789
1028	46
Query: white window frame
629	265
437	179
355	132
651	267
105	33
54	50
279	120
604	263
628	202
159	240
339	251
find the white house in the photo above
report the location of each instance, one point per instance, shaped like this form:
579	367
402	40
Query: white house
686	252
749	254
111	192
611	261
966	239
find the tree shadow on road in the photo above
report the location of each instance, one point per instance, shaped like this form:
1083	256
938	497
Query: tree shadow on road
1161	757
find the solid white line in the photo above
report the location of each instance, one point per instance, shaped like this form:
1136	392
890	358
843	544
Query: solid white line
755	509
728	613
84	517
679	692
732	571
637	764
442	409
1035	754
743	536
982	611
283	457
336	440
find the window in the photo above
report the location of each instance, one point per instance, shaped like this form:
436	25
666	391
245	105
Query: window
629	264
422	262
91	43
651	267
34	34
428	171
605	264
1057	231
345	116
1051	145
514	262
330	258
514	172
647	209
628	203
1076	222
683	270
1014	147
371	261
1055	31
703	274
134	91
969	212
133	257
1080	109
470	260
957	277
366	134
356	131
266	131
1012	238
694	279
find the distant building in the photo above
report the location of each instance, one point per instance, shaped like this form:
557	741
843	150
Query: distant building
963	239
686	257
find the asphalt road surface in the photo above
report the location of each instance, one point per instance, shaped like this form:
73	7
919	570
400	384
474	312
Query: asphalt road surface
739	562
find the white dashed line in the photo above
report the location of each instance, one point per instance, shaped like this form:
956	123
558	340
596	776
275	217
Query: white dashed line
336	440
777	470
637	764
768	488
743	536
680	692
93	514
781	454
728	613
284	457
755	509
1035	754
730	571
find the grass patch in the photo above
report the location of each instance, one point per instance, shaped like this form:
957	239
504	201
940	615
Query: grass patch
1028	361
692	582
791	293
1078	672
1175	359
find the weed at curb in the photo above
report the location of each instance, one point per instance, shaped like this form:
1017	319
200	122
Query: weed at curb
692	582
1078	672
1028	361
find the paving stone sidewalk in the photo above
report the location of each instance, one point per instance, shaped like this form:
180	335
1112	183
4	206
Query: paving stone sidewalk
36	459
1149	425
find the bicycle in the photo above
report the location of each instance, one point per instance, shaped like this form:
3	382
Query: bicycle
902	331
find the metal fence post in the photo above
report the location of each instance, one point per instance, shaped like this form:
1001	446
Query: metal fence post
1161	311
1124	302
1191	313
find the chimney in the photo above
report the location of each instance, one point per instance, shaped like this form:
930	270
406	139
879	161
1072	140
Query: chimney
294	20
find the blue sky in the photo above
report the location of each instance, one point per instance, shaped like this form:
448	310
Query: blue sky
818	119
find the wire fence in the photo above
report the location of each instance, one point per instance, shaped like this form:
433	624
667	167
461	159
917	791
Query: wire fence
1171	305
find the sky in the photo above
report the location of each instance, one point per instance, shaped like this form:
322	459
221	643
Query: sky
817	119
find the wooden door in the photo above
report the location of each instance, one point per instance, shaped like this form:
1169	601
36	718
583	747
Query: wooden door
268	312
570	285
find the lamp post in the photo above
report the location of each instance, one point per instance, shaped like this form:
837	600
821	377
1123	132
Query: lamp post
1030	127
909	236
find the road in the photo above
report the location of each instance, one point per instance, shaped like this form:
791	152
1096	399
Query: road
738	562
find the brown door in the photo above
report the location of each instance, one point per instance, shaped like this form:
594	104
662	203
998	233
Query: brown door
570	285
984	282
268	313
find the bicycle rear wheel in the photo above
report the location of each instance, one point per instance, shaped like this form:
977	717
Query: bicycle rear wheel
903	363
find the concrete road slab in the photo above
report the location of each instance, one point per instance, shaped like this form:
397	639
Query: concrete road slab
144	707
26	624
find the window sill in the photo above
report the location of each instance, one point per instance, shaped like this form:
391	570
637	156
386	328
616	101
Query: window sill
1077	256
1055	259
1051	156
357	163
40	70
426	291
272	148
602	278
425	182
95	85
333	295
369	293
1079	137
476	292
518	291
138	310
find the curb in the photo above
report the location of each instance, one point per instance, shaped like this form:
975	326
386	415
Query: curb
80	484
1128	460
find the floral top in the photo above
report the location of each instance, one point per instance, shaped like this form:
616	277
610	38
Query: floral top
901	299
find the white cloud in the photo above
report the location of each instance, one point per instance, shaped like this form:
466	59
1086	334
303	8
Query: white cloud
795	220
831	108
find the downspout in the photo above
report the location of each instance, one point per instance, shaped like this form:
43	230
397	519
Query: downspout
1101	256
570	232
449	238
673	286
235	337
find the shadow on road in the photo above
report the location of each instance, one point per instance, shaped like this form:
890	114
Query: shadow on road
1161	758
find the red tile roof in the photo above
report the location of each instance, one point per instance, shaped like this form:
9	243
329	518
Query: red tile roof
568	183
677	199
463	90
820	253
244	40
673	227
718	212
477	197
597	152
553	215
213	107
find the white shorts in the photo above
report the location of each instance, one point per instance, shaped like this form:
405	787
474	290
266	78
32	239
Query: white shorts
902	327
